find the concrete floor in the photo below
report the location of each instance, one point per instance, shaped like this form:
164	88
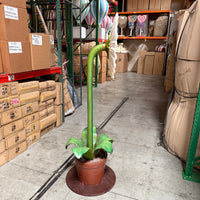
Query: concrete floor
143	170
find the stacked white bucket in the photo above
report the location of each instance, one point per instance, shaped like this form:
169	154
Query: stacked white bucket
187	79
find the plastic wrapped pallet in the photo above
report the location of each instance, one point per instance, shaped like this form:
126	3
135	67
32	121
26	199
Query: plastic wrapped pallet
179	126
28	87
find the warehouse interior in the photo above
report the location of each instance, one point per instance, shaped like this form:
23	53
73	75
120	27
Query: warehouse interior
99	82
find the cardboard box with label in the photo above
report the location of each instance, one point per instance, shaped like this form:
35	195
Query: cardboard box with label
12	127
149	63
30	108
13	23
16	150
9	103
11	115
15	56
132	5
32	128
32	138
15	138
8	89
18	3
31	118
122	62
40	51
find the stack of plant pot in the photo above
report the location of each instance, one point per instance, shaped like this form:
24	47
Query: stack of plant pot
187	78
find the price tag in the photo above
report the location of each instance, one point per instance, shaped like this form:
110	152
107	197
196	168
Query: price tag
11	77
15	47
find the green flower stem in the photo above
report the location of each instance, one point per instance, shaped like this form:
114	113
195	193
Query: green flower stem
92	54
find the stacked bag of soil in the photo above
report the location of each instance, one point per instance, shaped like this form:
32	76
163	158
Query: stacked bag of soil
187	78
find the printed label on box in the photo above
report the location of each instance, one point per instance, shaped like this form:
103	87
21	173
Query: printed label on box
15	101
15	47
37	40
51	40
11	13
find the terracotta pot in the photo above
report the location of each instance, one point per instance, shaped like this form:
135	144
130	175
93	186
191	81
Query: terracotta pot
91	172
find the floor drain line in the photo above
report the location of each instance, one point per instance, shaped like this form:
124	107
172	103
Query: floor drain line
57	173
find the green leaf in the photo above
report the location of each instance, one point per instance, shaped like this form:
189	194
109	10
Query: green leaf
79	151
103	138
106	145
84	137
73	140
88	155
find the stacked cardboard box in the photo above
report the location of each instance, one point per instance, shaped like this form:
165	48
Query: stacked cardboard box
150	63
19	117
42	50
102	73
122	62
47	111
14	44
143	5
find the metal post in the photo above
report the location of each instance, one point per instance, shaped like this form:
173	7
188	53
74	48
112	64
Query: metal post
59	44
189	174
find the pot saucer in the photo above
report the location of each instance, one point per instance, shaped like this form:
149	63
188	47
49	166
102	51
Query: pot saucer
80	188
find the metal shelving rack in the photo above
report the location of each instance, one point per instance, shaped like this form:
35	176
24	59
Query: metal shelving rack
151	38
51	70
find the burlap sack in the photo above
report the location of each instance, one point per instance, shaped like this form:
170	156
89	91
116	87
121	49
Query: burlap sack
160	27
189	44
179	126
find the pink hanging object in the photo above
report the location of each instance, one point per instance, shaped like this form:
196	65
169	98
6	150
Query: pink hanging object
106	22
89	19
